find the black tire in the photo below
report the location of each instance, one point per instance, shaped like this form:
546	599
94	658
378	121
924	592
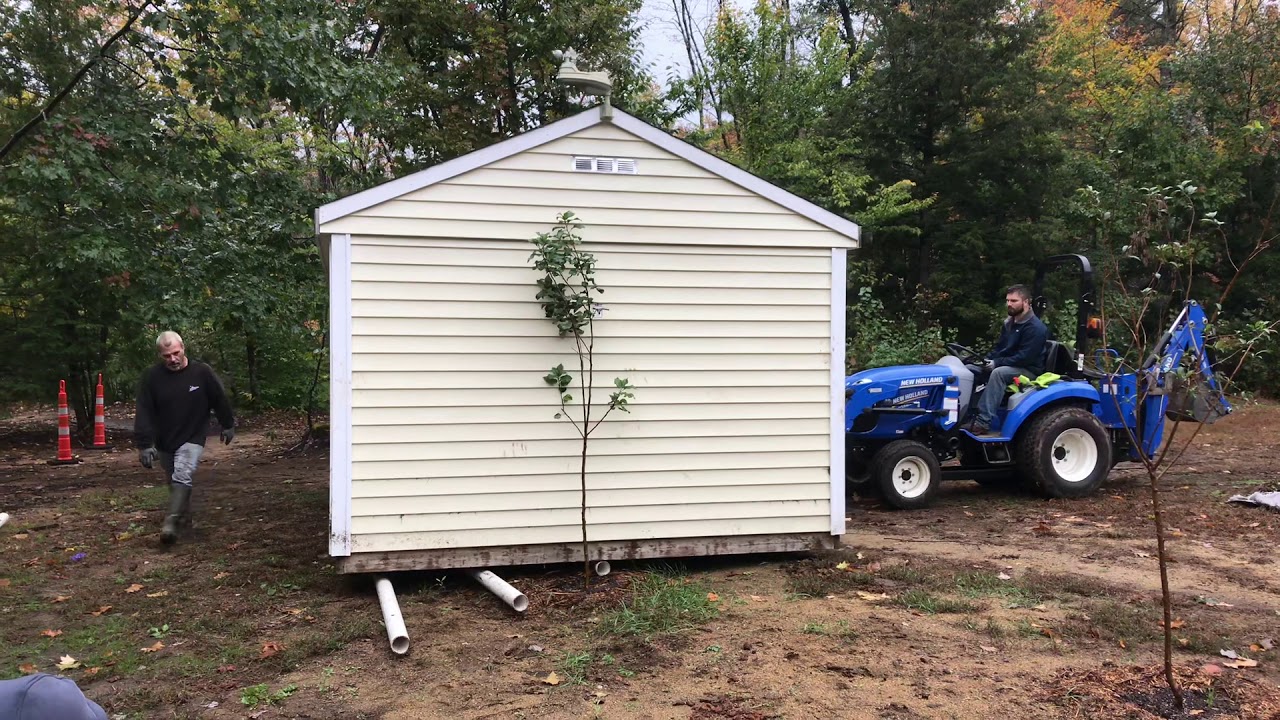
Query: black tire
907	473
857	476
1065	453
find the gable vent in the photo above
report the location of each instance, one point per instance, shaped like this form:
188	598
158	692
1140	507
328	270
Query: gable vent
626	166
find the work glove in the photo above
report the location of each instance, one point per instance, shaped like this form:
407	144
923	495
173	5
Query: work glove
147	457
228	435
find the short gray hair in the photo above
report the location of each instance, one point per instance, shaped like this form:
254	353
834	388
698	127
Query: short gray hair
168	337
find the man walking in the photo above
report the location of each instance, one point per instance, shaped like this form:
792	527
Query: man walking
174	400
1019	351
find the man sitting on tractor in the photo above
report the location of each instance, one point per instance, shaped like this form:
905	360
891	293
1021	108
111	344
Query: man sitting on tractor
1019	351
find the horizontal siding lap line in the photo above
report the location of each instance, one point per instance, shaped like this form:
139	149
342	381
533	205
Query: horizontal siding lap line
619	248
671	493
744	223
568	435
623	453
494	520
580	209
443	262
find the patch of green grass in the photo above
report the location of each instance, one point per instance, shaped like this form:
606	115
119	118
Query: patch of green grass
1110	620
574	666
822	582
931	604
813	628
1059	584
660	604
988	584
256	695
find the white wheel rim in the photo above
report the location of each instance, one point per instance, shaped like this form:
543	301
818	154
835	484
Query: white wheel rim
1075	455
911	477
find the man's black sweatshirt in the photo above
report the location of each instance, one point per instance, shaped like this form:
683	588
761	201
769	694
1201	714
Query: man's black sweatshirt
173	407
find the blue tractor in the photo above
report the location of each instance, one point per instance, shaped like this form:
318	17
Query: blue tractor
903	423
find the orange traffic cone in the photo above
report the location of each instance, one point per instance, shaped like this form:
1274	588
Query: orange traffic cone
64	429
99	421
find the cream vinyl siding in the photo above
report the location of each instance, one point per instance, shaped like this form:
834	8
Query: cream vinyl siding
669	201
454	441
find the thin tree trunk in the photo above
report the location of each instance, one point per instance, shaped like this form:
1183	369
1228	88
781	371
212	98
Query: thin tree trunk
251	361
52	105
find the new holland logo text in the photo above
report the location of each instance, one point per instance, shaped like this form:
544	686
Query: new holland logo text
921	381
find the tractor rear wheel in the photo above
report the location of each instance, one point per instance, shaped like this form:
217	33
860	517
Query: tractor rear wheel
907	473
1066	453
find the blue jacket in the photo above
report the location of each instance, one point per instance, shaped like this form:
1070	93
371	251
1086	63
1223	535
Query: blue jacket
1021	345
46	697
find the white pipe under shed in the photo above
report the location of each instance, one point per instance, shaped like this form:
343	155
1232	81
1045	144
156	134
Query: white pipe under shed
397	634
499	587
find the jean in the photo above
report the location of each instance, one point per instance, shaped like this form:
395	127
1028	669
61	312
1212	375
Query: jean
989	401
181	464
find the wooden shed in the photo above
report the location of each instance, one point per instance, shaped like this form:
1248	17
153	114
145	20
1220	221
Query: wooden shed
724	307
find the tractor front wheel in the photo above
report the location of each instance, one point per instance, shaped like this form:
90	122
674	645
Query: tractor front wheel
1066	453
907	473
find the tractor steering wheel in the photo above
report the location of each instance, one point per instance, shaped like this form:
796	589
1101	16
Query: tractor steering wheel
965	354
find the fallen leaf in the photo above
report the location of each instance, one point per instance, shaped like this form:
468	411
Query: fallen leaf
61	598
133	588
92	671
842	566
712	597
1142	554
27	669
1176	624
51	633
1229	654
1005	576
1122	645
860	556
1184	642
226	668
1043	529
1255	647
1241	663
20	536
873	567
270	649
756	598
968	514
1211	669
162	593
298	611
212	704
987	648
154	648
68	663
1268	644
100	611
552	679
1050	633
222	575
5	582
872	597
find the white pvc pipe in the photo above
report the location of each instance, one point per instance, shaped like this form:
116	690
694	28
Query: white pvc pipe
499	587
396	631
601	567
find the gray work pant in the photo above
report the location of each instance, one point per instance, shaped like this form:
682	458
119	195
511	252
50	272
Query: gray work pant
181	465
997	381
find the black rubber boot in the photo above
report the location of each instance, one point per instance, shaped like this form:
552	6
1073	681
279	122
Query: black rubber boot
179	496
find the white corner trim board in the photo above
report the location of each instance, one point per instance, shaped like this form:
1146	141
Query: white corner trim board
340	396
563	128
839	278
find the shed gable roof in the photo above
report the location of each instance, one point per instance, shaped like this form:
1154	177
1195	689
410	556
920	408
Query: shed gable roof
563	128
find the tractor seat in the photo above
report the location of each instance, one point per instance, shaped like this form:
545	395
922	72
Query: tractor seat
1057	358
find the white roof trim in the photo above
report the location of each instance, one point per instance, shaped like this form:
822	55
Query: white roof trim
562	128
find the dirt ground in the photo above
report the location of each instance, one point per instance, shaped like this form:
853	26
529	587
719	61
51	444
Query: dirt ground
993	603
